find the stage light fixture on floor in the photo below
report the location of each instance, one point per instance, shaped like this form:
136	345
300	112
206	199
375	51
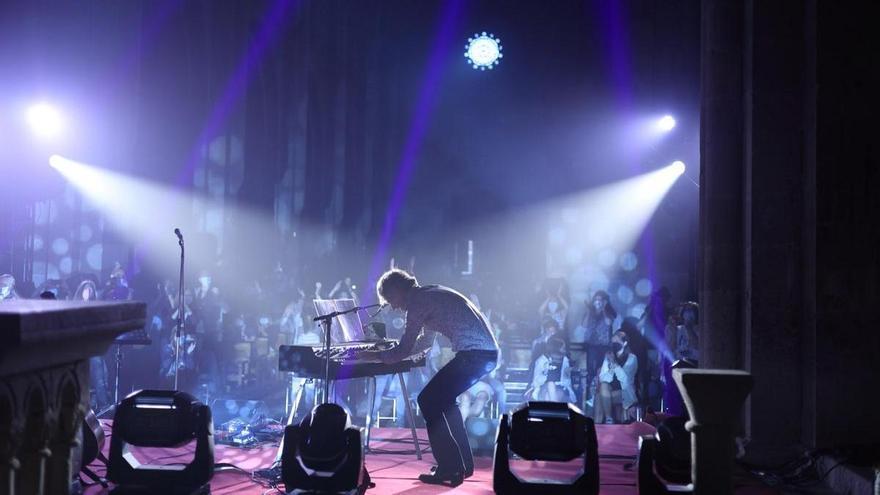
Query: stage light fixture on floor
546	431
44	120
161	419
324	454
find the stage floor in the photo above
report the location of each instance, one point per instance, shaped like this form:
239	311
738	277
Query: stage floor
397	473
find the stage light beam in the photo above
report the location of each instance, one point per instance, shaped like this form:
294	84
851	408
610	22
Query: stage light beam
45	120
677	167
145	211
666	123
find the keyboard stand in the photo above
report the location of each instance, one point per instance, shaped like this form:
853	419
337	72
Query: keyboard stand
409	415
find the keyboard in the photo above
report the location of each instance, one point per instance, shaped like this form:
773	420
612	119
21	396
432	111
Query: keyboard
351	360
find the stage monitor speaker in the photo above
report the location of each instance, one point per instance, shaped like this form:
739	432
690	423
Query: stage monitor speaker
324	454
161	419
546	431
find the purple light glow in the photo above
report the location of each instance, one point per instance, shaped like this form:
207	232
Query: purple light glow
615	39
271	26
442	46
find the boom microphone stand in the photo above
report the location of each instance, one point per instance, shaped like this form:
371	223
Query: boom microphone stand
325	322
180	311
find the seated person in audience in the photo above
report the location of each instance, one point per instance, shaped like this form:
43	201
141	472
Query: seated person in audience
549	330
551	376
474	400
683	338
7	288
617	387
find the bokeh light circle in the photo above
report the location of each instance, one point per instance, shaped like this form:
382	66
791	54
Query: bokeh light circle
624	294
65	265
94	256
629	261
636	310
60	246
607	258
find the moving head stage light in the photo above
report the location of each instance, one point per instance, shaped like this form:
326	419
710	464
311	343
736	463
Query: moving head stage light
547	431
161	419
324	454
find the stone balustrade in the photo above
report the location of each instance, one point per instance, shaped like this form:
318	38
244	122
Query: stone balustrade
44	385
714	400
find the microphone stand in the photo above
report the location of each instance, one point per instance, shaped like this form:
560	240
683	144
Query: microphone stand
180	314
326	320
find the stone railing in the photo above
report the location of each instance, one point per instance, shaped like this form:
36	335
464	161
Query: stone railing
714	399
44	385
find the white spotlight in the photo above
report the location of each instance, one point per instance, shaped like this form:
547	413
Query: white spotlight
44	119
667	123
483	51
678	167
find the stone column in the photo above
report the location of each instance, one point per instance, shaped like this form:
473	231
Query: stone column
714	399
721	184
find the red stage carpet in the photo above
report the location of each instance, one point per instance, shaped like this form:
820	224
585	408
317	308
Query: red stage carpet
397	473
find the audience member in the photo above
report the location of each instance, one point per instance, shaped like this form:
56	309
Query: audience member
683	339
7	288
617	377
551	377
549	330
555	306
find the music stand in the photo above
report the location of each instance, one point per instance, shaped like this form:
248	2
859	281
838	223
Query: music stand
326	322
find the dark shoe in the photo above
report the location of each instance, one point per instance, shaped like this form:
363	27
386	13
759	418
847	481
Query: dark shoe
468	471
447	479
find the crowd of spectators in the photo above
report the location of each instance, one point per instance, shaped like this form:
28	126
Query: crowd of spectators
588	355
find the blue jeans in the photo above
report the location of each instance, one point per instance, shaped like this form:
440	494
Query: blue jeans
437	401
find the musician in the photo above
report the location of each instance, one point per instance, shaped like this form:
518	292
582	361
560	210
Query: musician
117	288
435	308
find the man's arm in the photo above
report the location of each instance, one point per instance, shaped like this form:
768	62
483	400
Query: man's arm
407	341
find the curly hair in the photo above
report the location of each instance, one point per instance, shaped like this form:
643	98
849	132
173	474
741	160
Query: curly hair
394	279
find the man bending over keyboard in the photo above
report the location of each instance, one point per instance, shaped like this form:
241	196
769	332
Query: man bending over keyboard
434	308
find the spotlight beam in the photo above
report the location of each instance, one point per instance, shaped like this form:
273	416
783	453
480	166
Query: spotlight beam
417	130
145	212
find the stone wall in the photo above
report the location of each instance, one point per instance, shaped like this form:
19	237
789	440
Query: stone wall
789	283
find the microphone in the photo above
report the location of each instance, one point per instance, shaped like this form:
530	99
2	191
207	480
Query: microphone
178	234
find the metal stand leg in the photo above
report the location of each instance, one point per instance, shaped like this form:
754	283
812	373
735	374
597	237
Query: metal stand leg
371	397
410	416
290	417
287	394
295	407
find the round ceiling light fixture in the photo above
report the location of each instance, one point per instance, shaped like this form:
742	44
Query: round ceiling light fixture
483	51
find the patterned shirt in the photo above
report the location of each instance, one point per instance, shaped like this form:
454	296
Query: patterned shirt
434	308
